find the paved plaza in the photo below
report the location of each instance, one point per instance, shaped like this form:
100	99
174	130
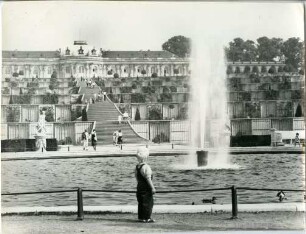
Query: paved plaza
165	223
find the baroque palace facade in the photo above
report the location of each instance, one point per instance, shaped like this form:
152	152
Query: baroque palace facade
80	60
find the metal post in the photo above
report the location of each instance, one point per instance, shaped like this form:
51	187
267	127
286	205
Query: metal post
80	204
42	149
121	146
172	146
68	148
234	203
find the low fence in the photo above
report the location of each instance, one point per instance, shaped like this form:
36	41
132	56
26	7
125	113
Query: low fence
80	191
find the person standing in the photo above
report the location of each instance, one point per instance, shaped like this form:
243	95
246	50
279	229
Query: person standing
85	139
119	140
145	187
297	140
94	139
104	96
119	119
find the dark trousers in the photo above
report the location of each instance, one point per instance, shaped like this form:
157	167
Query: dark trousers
145	205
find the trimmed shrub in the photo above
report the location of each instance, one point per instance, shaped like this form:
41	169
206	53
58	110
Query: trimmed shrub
14	145
52	144
49	113
165	97
143	72
173	89
134	86
125	89
272	70
31	145
255	69
138	98
84	115
76	113
247	69
298	112
250	140
116	75
5	90
137	114
229	70
237	70
154	75
50	99
160	138
280	69
155	113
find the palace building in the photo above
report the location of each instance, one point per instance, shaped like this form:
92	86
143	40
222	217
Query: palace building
81	60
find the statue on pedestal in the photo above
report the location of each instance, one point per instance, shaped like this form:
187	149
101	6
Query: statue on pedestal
41	132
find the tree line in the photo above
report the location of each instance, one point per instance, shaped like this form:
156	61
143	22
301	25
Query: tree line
264	49
267	49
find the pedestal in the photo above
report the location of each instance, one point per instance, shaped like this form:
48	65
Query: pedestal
202	158
41	143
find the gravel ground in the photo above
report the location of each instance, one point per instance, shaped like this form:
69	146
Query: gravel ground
165	223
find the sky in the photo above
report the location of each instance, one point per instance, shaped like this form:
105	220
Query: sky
142	25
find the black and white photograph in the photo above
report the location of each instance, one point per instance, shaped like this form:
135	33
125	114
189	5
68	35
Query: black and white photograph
152	117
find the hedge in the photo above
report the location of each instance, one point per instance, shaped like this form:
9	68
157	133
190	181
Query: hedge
22	145
250	140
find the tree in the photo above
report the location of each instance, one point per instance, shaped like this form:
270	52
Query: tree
137	114
240	50
143	72
268	49
235	50
293	52
178	45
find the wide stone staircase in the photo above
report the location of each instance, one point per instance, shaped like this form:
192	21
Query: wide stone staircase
106	116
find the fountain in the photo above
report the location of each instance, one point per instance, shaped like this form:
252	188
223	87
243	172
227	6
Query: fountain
209	128
41	133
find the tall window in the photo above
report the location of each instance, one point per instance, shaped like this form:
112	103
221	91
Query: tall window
67	69
49	70
7	70
35	70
